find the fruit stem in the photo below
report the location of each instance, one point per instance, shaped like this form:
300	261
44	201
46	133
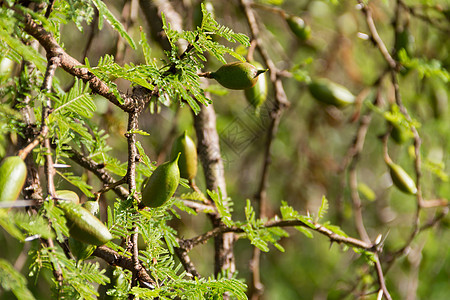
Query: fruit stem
206	74
259	72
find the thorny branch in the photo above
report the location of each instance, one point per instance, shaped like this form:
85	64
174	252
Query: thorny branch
115	259
52	65
376	37
281	102
188	244
131	180
208	142
73	67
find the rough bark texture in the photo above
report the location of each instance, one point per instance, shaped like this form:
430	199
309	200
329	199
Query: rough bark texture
209	152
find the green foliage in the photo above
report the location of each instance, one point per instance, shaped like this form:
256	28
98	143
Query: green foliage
78	276
424	67
11	280
56	216
75	11
15	45
259	235
198	289
77	100
105	13
323	209
311	149
223	207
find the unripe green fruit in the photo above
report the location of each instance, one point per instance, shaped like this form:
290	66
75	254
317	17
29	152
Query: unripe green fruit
162	184
257	94
84	226
81	250
237	75
13	172
92	207
187	163
330	93
67	195
299	27
401	179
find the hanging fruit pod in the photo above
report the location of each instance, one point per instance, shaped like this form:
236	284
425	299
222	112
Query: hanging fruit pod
401	179
257	94
237	75
331	93
162	184
83	225
13	172
187	163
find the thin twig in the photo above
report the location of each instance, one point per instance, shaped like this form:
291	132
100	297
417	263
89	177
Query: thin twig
131	180
115	259
74	67
275	115
380	277
375	36
431	21
52	65
187	263
188	244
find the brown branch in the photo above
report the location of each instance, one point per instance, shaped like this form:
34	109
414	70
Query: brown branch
92	32
52	65
99	171
187	263
115	259
435	220
208	149
131	180
73	67
23	153
32	188
376	37
380	277
281	102
188	244
197	206
417	166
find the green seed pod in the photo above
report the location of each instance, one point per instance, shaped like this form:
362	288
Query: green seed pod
298	26
162	184
187	163
92	207
67	195
84	226
13	172
81	250
237	75
257	94
330	93
401	179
